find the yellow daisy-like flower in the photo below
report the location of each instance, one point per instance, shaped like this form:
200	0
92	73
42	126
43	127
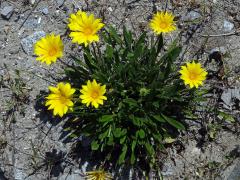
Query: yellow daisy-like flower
193	74
98	175
60	99
84	28
162	22
49	49
93	93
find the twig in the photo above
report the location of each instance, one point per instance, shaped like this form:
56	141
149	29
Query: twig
34	7
219	35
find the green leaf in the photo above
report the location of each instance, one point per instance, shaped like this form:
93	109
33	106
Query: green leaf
157	137
117	132
122	140
110	141
140	41
159	118
172	54
94	145
123	154
138	51
106	118
159	43
149	148
131	102
141	133
133	158
127	37
114	35
227	117
109	52
73	135
173	122
89	61
136	120
168	92
103	135
169	140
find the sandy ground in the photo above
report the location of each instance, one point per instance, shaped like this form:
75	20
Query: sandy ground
31	144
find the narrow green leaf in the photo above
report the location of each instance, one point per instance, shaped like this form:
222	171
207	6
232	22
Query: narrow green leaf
114	34
141	40
173	122
149	148
109	52
157	137
133	158
227	117
123	154
160	43
136	120
110	140
131	102
106	118
127	37
159	118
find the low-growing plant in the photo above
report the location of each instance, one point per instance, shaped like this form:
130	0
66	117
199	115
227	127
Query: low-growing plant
126	95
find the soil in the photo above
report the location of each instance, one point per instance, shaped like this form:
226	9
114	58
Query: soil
31	142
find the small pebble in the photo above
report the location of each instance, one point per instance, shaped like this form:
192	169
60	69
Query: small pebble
192	15
227	26
45	11
110	9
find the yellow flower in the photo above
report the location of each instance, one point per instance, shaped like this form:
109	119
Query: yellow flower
60	99
49	48
162	22
98	175
84	28
193	74
93	93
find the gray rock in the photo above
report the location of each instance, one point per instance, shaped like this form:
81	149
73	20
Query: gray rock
28	42
7	12
167	170
45	11
67	176
235	174
60	3
18	174
227	26
228	96
32	23
32	2
192	15
220	49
